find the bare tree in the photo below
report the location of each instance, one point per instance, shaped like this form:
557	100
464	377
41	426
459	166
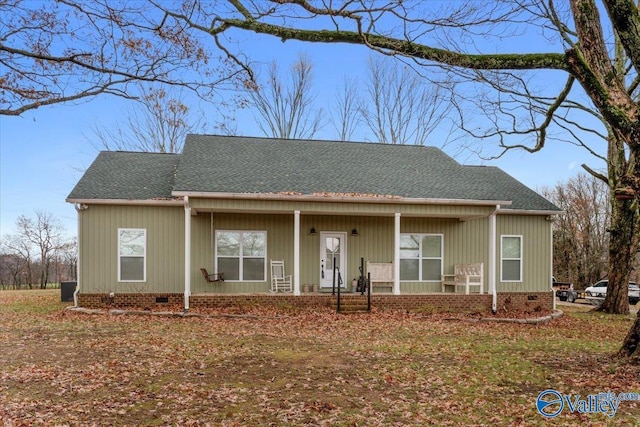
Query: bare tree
580	244
69	257
12	269
20	259
43	235
401	107
344	117
68	50
159	123
286	108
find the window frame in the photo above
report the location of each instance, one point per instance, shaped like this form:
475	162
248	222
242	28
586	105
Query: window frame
421	258
120	256
240	256
503	258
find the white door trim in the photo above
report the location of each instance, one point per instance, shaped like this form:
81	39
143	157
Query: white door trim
327	281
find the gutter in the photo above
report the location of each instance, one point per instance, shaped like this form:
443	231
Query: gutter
549	213
337	198
132	202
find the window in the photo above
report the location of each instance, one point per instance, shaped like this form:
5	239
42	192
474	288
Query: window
241	255
132	254
511	259
421	257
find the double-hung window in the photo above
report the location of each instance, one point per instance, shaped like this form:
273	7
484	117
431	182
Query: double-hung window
421	257
241	255
132	254
511	258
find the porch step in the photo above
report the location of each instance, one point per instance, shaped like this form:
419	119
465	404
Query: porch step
353	310
353	305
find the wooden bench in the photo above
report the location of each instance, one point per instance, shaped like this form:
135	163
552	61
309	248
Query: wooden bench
381	274
465	275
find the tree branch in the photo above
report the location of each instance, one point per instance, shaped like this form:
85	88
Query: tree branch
555	61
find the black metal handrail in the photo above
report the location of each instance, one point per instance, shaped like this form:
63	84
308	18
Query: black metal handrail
363	283
333	286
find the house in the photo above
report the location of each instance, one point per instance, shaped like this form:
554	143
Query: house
149	222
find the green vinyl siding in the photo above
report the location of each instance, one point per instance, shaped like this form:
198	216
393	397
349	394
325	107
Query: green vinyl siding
467	242
463	242
279	236
201	254
373	243
164	227
536	252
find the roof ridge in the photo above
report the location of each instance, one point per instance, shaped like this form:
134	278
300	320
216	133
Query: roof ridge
296	140
138	152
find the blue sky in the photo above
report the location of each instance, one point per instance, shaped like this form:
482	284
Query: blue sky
44	152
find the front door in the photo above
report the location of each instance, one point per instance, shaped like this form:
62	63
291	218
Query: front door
332	245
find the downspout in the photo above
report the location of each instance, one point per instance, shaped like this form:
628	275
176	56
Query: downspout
187	253
396	254
492	260
79	208
296	253
553	292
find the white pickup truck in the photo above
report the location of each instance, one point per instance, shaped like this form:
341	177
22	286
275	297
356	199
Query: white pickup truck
597	292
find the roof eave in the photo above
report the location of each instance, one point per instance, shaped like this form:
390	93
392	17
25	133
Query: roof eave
132	202
529	212
338	199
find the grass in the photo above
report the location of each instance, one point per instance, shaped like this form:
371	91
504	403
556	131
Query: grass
297	368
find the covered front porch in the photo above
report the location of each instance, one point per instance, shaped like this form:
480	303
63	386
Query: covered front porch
239	237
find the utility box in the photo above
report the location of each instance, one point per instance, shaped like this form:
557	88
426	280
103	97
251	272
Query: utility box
66	291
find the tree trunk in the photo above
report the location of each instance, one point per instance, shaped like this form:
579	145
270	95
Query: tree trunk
630	347
621	254
622	232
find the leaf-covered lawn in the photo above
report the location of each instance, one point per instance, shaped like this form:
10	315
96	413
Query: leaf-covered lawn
309	368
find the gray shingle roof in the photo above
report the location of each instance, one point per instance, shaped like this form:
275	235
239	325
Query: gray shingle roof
221	164
263	165
128	176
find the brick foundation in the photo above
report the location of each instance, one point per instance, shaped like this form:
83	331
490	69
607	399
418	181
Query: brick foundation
427	303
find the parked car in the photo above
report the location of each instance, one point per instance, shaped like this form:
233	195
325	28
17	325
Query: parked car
599	290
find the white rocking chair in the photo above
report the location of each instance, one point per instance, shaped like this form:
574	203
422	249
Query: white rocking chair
280	282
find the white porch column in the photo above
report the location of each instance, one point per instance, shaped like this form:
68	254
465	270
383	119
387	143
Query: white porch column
79	209
187	252
553	291
296	253
396	255
491	268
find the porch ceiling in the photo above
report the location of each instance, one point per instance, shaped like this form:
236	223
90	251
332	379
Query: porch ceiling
349	207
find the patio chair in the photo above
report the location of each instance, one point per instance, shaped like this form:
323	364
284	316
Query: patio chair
279	282
212	278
